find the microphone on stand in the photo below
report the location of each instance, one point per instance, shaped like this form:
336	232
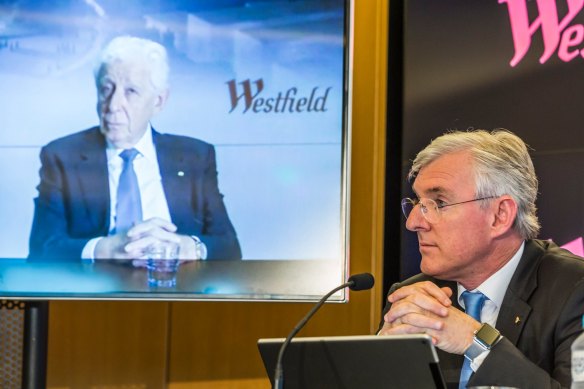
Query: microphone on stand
363	281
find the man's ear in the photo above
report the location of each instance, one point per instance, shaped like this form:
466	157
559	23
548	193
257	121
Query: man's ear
160	100
505	212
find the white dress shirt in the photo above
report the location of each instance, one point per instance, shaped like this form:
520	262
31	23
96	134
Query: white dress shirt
152	195
494	288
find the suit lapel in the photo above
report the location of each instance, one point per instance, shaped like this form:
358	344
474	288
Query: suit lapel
174	172
515	308
92	174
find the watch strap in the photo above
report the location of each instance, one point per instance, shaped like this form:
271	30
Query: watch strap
483	340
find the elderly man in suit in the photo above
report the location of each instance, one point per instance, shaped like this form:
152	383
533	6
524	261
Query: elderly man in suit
112	191
502	307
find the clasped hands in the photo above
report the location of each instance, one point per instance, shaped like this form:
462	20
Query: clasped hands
134	243
425	308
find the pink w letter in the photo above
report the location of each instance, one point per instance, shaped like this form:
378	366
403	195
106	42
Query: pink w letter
551	27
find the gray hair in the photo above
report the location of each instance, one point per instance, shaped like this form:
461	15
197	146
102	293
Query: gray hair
123	48
502	166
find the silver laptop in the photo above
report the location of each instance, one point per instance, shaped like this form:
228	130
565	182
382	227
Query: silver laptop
400	361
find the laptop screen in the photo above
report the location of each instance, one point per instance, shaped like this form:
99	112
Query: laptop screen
402	361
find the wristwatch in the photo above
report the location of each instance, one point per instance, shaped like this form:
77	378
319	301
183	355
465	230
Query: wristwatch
483	340
200	249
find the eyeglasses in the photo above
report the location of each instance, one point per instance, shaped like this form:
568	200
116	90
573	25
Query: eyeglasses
430	209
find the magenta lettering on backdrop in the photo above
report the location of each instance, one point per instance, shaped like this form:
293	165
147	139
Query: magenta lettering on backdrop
576	246
557	34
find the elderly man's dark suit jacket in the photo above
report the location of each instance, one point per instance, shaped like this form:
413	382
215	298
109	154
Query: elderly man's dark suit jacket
73	205
540	317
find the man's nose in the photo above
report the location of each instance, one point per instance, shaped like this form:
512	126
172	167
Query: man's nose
416	221
115	101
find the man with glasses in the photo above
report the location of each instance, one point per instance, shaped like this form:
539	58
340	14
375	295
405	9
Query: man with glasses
501	307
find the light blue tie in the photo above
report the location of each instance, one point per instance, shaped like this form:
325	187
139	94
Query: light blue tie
129	206
473	303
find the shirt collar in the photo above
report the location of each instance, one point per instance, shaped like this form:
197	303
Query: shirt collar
145	146
496	285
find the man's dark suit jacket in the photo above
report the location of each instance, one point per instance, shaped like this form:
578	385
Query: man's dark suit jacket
73	205
540	317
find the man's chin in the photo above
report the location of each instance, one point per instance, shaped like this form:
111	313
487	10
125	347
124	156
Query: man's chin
430	270
116	135
114	129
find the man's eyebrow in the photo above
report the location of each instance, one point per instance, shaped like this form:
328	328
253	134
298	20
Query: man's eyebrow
436	190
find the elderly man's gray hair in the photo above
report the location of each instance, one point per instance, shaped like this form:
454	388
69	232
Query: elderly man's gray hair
126	48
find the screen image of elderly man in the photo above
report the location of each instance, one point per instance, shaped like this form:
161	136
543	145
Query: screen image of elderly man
501	307
112	191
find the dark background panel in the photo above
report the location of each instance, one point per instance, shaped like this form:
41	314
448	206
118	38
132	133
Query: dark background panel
455	58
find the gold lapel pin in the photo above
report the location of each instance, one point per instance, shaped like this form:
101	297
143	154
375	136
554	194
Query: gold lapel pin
517	320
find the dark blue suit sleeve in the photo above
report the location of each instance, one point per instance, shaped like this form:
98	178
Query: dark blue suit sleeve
218	233
195	203
51	236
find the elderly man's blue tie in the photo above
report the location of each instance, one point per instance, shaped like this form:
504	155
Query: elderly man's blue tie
473	303
129	206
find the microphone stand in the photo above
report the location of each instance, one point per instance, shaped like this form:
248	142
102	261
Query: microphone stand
279	373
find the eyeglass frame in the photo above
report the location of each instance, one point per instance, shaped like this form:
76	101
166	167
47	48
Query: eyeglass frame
418	201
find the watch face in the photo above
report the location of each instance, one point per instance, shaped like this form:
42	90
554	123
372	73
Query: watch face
487	335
